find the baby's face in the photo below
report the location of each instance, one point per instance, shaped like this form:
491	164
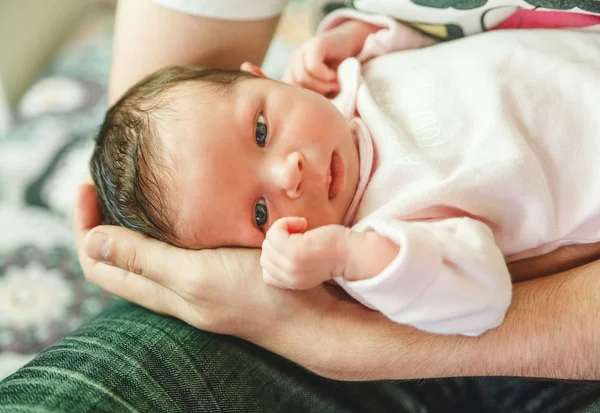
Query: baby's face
243	160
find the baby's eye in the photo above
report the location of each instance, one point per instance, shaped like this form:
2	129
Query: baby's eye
261	215
261	131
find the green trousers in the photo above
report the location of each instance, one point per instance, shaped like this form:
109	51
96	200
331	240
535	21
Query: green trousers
129	359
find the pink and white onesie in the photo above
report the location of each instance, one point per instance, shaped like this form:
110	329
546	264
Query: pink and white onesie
473	153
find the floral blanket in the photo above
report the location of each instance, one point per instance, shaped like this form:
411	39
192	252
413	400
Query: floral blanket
43	158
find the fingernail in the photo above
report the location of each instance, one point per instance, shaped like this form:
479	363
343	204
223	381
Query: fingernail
97	246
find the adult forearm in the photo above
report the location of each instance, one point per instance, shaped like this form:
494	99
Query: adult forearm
149	37
551	330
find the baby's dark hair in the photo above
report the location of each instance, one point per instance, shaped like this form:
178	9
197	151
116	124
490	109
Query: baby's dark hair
128	165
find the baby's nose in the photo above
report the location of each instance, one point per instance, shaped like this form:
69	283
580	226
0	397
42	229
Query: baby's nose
291	176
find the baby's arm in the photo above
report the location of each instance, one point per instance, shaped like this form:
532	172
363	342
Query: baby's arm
449	277
343	34
313	64
445	277
391	35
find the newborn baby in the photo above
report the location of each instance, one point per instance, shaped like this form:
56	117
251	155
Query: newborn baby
429	171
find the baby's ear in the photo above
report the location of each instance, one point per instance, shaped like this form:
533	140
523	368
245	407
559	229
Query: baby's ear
252	68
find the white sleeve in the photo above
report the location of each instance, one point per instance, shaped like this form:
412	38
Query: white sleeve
226	9
448	278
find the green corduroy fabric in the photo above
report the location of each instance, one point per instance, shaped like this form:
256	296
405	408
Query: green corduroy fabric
129	359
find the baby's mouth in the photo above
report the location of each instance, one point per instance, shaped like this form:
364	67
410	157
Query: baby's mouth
336	175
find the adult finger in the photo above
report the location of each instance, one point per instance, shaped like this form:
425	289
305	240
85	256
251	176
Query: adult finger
137	289
132	287
138	254
86	215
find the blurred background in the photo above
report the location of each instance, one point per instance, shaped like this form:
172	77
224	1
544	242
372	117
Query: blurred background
54	67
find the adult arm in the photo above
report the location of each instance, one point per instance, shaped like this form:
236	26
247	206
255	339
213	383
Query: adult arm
562	259
149	36
551	329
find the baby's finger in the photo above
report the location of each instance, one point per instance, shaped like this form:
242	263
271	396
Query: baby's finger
301	77
274	259
294	225
315	65
322	88
284	235
274	271
286	253
269	280
284	227
268	256
276	234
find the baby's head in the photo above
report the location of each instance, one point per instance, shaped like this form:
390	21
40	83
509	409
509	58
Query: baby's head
203	158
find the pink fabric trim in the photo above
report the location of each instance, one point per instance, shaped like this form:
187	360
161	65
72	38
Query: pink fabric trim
365	151
546	19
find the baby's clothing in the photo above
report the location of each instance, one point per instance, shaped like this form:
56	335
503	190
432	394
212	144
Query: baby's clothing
472	152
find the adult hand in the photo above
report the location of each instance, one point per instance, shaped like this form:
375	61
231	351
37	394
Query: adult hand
215	290
324	331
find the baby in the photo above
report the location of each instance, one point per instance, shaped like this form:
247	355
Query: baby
429	170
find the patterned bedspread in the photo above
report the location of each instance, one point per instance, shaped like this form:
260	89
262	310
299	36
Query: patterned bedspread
43	157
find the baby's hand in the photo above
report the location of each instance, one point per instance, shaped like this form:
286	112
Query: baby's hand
314	63
298	260
308	68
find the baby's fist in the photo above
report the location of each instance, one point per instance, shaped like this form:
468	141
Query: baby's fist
295	259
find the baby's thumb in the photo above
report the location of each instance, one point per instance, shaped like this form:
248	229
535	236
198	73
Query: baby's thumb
295	225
